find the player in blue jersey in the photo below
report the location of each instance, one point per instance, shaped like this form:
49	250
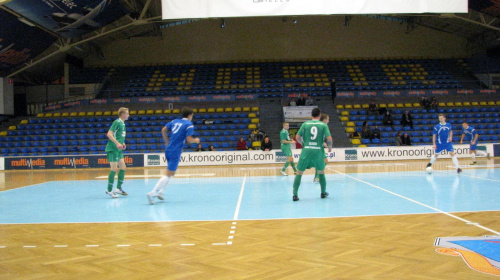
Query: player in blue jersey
441	140
469	133
175	134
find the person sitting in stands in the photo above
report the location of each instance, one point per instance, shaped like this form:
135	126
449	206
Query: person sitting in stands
388	119
405	140
373	108
397	139
242	144
407	119
376	132
266	145
199	148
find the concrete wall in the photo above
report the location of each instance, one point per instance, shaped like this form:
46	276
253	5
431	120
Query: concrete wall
320	37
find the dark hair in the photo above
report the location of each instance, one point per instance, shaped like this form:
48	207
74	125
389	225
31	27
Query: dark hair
186	111
316	112
323	117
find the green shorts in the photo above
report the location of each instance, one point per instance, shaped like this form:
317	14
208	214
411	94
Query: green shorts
287	152
311	158
114	156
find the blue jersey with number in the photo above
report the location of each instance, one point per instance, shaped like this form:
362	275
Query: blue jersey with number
442	132
470	133
178	130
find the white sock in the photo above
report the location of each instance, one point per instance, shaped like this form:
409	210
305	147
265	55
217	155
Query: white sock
473	157
160	186
433	159
455	161
482	153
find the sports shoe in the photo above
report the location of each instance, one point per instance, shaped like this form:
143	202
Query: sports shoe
316	180
474	163
120	191
459	170
324	195
160	196
295	198
283	173
112	194
151	198
429	165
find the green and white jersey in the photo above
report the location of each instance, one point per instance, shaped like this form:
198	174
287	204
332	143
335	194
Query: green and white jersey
284	135
119	132
313	134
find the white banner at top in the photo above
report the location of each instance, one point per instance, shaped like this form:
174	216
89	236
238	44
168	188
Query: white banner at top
188	9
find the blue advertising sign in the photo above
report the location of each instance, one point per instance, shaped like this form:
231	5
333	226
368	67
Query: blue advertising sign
69	18
20	42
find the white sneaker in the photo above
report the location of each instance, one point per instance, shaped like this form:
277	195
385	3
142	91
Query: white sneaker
284	173
316	180
112	194
151	198
122	192
160	196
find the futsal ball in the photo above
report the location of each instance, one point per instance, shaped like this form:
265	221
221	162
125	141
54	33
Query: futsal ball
429	169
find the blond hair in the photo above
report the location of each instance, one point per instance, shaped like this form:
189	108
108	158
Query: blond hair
121	111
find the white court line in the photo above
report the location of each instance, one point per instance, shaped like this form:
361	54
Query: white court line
420	203
1	247
187	244
124	245
155	245
219	244
29	246
60	246
237	211
91	245
159	176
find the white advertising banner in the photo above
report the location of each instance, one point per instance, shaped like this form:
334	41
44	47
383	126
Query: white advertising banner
188	9
297	113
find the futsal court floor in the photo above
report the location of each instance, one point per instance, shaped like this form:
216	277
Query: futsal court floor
381	221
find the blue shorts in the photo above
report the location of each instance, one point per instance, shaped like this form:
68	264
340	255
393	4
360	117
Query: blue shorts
473	147
446	146
173	159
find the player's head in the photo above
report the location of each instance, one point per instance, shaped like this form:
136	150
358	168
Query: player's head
286	125
324	118
316	113
442	118
465	125
187	113
123	113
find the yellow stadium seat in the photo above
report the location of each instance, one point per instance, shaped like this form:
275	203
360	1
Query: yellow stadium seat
167	111
211	110
57	114
252	126
150	112
133	112
483	103
115	113
362	146
237	109
39	115
98	113
246	109
254	120
82	114
442	104
141	112
255	109
365	106
474	103
350	129
355	141
24	122
344	119
348	106
344	113
466	103
256	144
73	114
356	106
339	106
400	105
252	115
176	111
497	103
352	124
90	113
219	110
228	109
491	103
416	105
390	105
408	105
12	127
48	115
450	104
459	104
195	110
3	133
159	111
65	114
202	110
383	105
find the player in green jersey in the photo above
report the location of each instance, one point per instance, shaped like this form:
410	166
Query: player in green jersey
114	150
312	135
326	119
285	148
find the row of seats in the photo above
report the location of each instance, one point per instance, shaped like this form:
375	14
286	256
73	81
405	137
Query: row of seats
481	104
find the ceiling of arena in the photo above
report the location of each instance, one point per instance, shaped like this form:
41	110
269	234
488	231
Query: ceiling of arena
481	27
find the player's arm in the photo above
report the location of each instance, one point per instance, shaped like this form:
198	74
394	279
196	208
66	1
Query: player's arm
164	135
434	140
191	140
462	138
474	141
111	137
329	142
451	136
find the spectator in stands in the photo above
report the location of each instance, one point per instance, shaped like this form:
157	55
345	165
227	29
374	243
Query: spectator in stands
388	119
425	103
292	102
376	132
266	145
297	144
211	148
259	135
301	101
242	144
434	103
373	108
407	119
333	88
397	139
366	132
309	101
405	140
293	145
199	148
